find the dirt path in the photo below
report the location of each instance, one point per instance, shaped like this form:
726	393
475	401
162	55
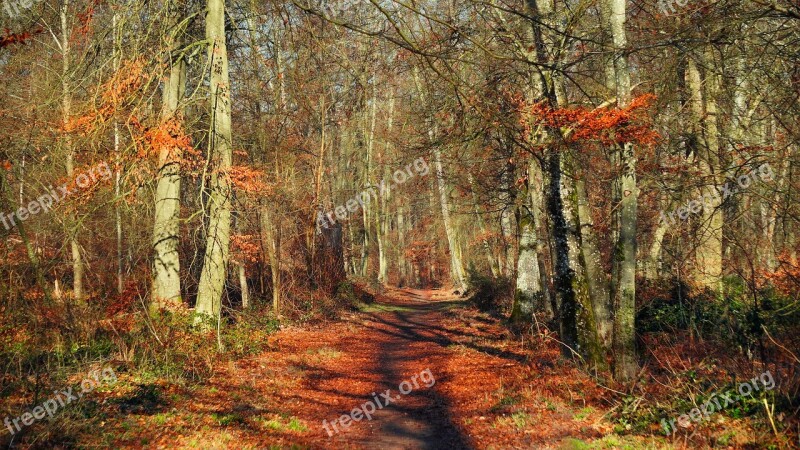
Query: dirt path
404	339
471	384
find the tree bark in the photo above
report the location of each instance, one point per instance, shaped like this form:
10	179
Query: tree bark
456	263
626	203
212	279
271	243
166	283
708	259
382	209
507	220
528	293
66	111
595	274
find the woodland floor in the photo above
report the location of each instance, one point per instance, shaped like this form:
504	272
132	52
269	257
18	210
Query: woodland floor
492	391
489	392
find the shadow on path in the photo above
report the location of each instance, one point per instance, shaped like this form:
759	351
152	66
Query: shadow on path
422	418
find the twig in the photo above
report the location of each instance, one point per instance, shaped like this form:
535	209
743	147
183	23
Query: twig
769	414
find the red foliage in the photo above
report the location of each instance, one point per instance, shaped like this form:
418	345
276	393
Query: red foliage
125	301
120	89
248	180
85	18
602	125
786	278
16	38
167	139
245	248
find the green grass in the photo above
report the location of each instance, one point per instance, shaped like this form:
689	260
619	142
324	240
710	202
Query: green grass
614	442
283	424
519	420
227	419
506	401
583	413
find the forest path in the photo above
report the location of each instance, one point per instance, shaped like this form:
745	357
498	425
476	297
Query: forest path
406	341
470	385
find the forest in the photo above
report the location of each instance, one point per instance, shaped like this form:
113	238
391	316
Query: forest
400	224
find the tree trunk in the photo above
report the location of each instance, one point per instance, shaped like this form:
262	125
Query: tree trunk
382	209
528	294
212	279
243	286
271	243
587	330
507	220
456	264
118	170
402	261
536	185
595	274
564	273
166	288
708	263
66	110
653	267
365	210
625	207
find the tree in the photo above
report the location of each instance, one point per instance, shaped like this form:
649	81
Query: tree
166	290
625	205
214	272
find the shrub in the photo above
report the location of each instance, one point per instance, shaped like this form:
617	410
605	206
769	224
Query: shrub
488	293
